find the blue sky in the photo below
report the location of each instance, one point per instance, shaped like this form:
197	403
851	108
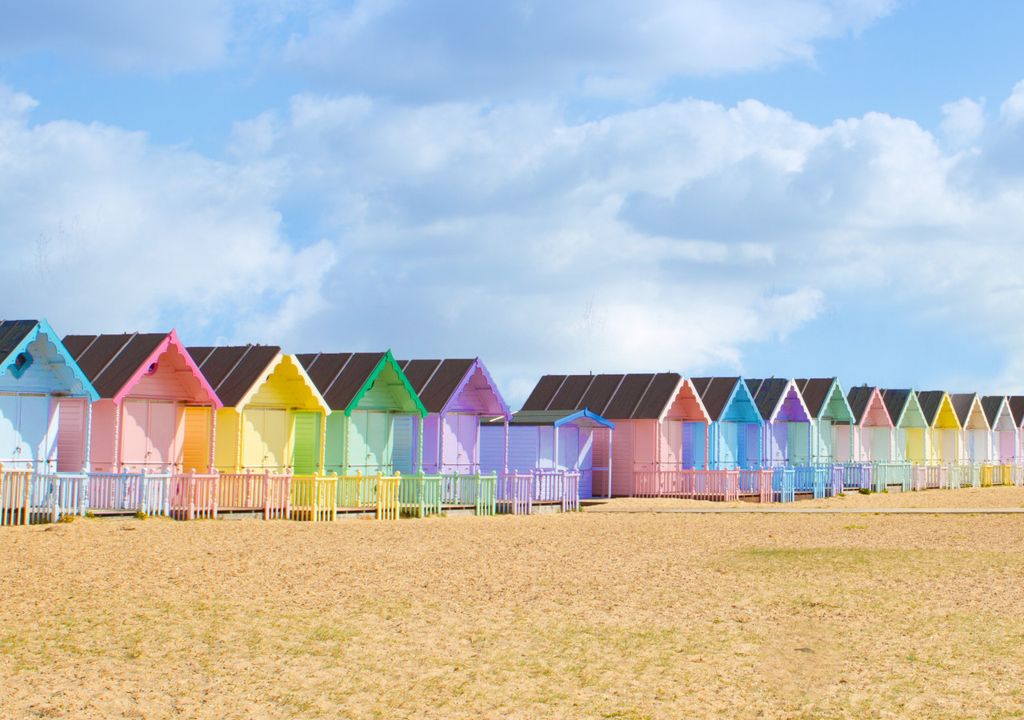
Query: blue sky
784	187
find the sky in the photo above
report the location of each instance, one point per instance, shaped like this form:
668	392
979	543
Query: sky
756	187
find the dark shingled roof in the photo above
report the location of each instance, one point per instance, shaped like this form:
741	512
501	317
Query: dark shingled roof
109	361
12	332
991	404
895	402
338	376
233	370
640	396
962	403
767	393
815	393
435	381
1017	409
715	393
930	402
859	397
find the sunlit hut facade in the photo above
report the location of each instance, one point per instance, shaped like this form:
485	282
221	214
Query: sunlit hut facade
660	422
1005	432
273	417
1016	403
827	405
367	393
549	440
734	436
44	401
155	407
975	433
457	395
942	441
870	438
910	425
786	433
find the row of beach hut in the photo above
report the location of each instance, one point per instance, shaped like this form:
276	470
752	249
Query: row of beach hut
140	422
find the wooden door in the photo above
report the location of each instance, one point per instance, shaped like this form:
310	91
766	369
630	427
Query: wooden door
356	452
134	429
378	457
253	448
307	443
163	431
9	436
196	449
402	439
71	435
276	438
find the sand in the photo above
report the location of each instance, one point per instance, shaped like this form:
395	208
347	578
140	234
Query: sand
565	616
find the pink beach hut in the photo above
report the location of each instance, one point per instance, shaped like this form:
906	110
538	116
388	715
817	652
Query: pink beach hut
869	438
155	408
659	419
1005	433
457	394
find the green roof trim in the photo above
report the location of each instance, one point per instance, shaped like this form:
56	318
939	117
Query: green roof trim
387	361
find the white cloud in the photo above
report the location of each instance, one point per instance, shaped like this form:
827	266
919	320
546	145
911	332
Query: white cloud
963	122
102	230
426	49
124	34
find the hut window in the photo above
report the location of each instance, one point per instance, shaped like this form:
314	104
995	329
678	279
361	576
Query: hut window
151	370
21	363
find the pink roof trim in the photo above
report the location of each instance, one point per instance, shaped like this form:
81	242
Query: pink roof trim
171	339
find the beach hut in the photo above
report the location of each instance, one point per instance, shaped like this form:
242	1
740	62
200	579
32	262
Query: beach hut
975	434
660	422
826	402
870	438
942	441
734	435
370	399
1005	433
45	401
1016	405
155	407
785	435
457	394
910	425
273	417
558	440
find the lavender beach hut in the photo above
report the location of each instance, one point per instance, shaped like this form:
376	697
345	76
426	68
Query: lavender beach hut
458	395
785	435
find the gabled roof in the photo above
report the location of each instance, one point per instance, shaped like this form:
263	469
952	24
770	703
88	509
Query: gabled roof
770	394
930	401
17	335
233	370
817	394
859	398
114	363
963	404
343	378
1016	403
896	402
439	382
718	393
635	396
992	405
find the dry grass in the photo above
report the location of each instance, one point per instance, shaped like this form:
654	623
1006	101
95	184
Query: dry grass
592	616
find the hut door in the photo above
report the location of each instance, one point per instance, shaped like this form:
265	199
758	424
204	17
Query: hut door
71	435
401	458
523	448
671	450
163	425
25	432
275	437
196	449
377	442
460	436
307	443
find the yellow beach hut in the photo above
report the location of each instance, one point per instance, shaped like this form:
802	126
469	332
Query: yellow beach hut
942	440
273	417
